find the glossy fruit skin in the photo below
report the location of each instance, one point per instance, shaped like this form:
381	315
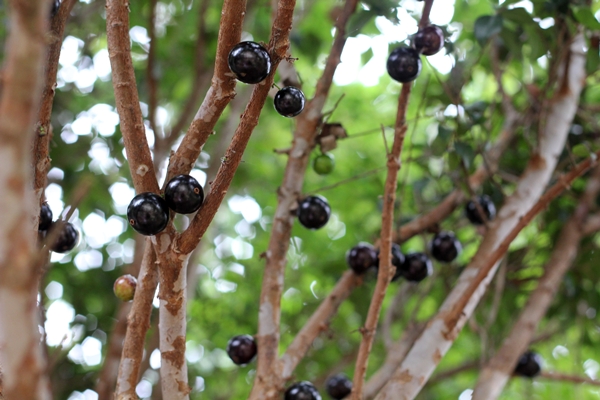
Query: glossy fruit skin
416	267
445	247
250	62
323	164
302	391
488	207
241	349
184	194
429	40
289	101
45	217
338	386
529	365
404	64
361	257
313	212
66	240
55	7
397	260
148	213
124	287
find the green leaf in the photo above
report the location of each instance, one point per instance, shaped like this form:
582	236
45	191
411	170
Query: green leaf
441	143
366	56
486	27
592	62
476	111
359	20
465	151
585	17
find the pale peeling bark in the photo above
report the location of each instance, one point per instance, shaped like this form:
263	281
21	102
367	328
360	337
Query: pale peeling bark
498	370
172	326
443	329
21	356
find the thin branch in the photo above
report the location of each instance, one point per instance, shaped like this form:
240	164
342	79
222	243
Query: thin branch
41	146
221	92
137	325
199	85
386	271
557	376
21	355
318	322
127	98
517	211
267	382
107	378
151	70
500	367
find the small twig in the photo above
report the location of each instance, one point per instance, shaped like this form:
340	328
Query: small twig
557	376
348	180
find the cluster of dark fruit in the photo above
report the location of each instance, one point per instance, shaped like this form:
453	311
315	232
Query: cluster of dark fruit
251	63
529	365
68	236
148	213
413	267
404	63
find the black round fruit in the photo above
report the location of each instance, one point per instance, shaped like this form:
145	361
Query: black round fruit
529	365
339	386
361	257
67	237
445	247
302	391
183	194
404	64
250	62
313	212
416	267
45	217
486	204
397	260
241	349
148	213
55	7
289	101
429	40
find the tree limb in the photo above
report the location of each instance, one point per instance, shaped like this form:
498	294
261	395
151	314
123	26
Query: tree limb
443	329
21	356
499	368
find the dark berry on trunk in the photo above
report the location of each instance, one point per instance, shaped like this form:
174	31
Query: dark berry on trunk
361	257
45	217
55	7
339	386
302	391
148	213
241	349
529	365
67	237
429	40
486	204
416	267
183	194
404	64
313	212
289	101
250	62
124	287
445	247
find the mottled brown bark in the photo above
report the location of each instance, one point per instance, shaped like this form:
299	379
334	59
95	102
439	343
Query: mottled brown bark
21	355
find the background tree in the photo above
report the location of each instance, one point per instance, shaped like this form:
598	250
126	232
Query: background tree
508	109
